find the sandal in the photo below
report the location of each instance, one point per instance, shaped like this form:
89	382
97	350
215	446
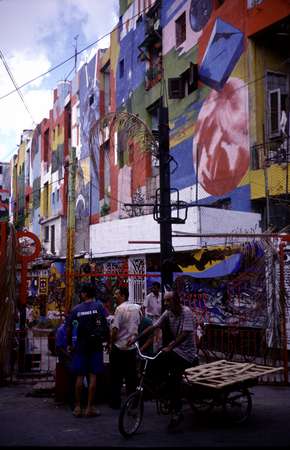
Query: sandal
92	412
77	412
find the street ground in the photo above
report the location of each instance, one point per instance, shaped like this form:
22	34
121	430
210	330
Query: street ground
27	420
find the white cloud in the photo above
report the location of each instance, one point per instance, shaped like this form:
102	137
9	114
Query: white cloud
36	35
14	117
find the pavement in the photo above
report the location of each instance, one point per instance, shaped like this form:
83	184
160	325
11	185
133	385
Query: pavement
38	421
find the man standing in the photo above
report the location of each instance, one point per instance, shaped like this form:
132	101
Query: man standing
90	318
123	363
153	306
65	380
152	302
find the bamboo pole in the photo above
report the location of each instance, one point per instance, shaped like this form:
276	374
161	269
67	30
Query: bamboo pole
70	249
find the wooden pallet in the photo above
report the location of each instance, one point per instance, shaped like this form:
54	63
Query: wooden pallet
223	373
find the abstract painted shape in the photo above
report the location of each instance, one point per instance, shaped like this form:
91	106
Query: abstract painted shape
221	141
224	49
199	14
220	269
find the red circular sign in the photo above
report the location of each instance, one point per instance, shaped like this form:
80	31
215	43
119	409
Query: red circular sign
28	246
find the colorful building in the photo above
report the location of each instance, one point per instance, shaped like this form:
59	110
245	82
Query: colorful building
221	67
5	190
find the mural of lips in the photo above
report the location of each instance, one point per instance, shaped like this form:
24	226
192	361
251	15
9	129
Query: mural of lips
221	137
200	11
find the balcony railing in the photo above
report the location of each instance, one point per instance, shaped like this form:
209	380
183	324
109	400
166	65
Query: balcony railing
274	151
153	76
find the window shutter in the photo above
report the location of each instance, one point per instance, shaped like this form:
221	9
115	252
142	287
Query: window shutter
192	78
176	88
274	113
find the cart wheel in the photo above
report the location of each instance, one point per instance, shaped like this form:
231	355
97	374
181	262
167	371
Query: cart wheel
131	414
237	406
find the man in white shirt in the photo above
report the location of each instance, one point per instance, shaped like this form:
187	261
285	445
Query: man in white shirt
152	302
153	307
123	363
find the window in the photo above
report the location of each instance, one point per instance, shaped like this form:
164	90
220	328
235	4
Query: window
52	239
275	112
91	99
121	68
185	84
107	90
122	147
277	90
192	78
176	88
153	111
107	172
1	169
154	71
53	198
46	234
45	145
57	195
45	199
180	29
255	157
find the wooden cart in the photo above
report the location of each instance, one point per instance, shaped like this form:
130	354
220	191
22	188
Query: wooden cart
225	384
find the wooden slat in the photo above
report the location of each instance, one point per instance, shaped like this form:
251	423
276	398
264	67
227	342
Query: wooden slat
225	373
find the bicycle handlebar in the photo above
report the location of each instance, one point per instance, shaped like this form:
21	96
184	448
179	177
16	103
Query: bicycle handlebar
146	356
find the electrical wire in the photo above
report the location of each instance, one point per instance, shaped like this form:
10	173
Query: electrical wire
16	86
118	26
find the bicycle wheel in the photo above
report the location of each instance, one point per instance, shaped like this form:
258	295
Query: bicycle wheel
131	414
237	406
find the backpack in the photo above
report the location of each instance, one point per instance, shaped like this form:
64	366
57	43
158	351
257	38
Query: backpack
93	330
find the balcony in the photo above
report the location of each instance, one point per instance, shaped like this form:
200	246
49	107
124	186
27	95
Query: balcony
153	76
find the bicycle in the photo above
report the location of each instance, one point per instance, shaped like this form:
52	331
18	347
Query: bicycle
131	413
235	399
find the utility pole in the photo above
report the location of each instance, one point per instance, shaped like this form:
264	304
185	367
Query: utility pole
165	207
70	249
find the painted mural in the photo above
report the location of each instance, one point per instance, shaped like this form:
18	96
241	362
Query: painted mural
88	157
209	128
226	286
56	287
221	139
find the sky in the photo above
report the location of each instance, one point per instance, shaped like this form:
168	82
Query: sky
35	36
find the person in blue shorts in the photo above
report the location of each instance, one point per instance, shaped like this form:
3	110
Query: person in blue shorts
87	355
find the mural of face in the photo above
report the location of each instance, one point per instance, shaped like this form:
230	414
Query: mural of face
221	137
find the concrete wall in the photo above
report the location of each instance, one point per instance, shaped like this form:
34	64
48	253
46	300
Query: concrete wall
111	238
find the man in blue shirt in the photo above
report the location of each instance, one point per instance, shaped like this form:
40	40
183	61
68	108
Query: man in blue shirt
87	357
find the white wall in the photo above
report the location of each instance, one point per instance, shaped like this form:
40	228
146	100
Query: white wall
111	238
58	236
